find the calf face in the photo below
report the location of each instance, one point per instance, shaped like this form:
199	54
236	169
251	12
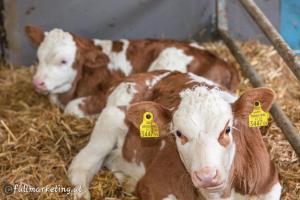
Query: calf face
56	56
204	125
61	58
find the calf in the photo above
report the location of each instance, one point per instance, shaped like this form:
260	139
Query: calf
205	150
73	69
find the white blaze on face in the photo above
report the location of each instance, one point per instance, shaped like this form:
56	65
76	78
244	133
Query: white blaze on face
172	59
199	79
56	56
201	117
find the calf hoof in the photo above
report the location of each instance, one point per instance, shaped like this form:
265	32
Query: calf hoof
82	193
78	177
73	108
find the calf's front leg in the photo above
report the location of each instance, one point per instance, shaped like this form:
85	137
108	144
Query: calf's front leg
86	106
103	139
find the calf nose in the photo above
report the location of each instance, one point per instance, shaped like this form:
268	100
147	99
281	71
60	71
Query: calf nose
39	84
206	175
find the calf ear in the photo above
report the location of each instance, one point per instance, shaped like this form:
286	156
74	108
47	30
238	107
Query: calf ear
35	34
96	59
93	56
162	116
245	104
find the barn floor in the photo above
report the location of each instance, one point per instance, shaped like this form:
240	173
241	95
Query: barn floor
38	141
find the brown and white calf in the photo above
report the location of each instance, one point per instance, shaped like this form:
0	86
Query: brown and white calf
205	150
72	68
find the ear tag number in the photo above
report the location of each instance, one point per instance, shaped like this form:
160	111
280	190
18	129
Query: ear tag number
258	117
148	128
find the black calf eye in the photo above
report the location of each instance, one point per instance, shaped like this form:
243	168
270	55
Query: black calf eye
178	133
227	131
63	62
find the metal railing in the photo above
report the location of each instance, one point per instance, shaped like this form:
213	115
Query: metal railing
248	70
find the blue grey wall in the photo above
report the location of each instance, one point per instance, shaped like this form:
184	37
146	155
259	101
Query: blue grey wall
290	23
115	19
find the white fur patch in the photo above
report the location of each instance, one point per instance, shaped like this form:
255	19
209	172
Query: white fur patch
152	82
274	194
230	98
105	44
72	108
197	46
162	144
56	55
122	95
118	60
172	59
170	197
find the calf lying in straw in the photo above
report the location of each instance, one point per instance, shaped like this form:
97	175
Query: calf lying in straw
74	69
205	147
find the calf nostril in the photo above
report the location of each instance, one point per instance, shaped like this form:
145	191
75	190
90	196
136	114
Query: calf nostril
38	83
41	84
207	174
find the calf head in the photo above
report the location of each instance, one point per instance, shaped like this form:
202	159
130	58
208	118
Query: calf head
61	58
203	125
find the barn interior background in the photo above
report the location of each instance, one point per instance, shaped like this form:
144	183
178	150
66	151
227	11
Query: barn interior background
37	141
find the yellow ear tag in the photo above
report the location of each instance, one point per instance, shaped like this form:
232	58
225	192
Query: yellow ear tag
148	128
258	117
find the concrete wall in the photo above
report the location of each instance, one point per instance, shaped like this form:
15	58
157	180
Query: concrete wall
115	19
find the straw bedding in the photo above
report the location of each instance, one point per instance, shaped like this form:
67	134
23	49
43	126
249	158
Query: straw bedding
38	141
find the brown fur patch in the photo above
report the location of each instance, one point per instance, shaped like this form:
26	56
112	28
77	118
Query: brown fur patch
183	139
89	54
253	171
165	173
117	46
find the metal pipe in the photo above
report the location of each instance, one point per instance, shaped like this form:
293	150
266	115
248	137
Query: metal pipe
248	71
275	38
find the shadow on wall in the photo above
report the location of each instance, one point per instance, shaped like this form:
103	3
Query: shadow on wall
3	41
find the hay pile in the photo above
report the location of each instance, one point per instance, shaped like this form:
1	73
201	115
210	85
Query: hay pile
38	141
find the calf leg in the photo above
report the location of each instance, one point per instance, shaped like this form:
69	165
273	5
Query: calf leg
103	139
125	171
